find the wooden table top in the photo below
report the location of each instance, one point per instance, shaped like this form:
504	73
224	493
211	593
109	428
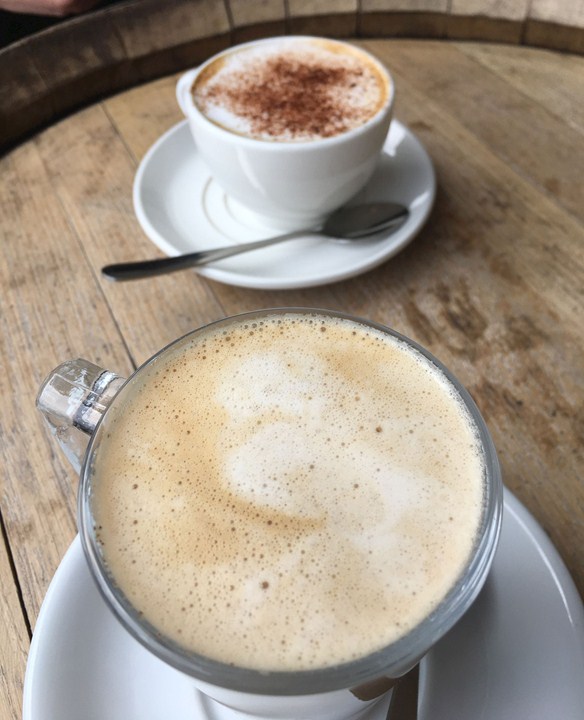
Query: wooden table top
492	286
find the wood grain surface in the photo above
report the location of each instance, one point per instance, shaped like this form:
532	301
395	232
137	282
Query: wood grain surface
493	285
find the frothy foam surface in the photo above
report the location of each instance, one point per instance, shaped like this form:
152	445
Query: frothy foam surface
292	89
288	493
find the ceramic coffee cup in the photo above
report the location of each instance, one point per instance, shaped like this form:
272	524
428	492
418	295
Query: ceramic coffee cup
291	128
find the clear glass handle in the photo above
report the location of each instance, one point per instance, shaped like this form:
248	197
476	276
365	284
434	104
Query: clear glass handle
72	399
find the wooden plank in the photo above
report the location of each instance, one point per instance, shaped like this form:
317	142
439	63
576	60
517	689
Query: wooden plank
400	18
300	8
535	74
339	25
143	114
25	101
570	14
414	6
481	27
43	321
331	18
155	26
256	31
14	641
253	19
160	38
499	9
509	122
91	60
554	36
250	12
557	25
402	24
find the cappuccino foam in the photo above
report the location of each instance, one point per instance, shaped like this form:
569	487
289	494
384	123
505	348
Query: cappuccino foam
291	89
288	493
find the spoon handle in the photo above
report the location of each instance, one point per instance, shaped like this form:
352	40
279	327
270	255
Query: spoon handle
159	266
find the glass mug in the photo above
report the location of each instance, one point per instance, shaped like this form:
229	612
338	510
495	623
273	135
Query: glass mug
76	400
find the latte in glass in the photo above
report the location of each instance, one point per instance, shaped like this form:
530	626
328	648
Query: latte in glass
288	493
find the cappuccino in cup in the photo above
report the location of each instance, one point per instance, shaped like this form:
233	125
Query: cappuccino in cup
292	89
288	492
290	128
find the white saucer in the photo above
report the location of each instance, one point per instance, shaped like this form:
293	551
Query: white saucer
182	209
518	653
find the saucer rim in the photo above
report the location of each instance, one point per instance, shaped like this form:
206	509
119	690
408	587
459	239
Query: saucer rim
402	236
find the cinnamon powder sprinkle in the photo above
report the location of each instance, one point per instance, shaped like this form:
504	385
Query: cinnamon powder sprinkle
294	95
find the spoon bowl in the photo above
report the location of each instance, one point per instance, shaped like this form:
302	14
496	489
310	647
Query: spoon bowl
350	223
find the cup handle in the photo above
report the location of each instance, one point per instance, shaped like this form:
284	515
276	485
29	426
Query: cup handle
183	90
72	400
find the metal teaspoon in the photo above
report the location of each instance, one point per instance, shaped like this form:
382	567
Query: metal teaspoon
349	223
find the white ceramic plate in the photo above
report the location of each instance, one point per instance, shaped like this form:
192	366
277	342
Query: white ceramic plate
518	654
182	209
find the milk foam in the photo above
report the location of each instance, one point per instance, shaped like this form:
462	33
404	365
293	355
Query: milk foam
290	493
291	89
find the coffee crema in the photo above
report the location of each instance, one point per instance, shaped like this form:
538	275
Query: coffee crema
292	89
288	493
